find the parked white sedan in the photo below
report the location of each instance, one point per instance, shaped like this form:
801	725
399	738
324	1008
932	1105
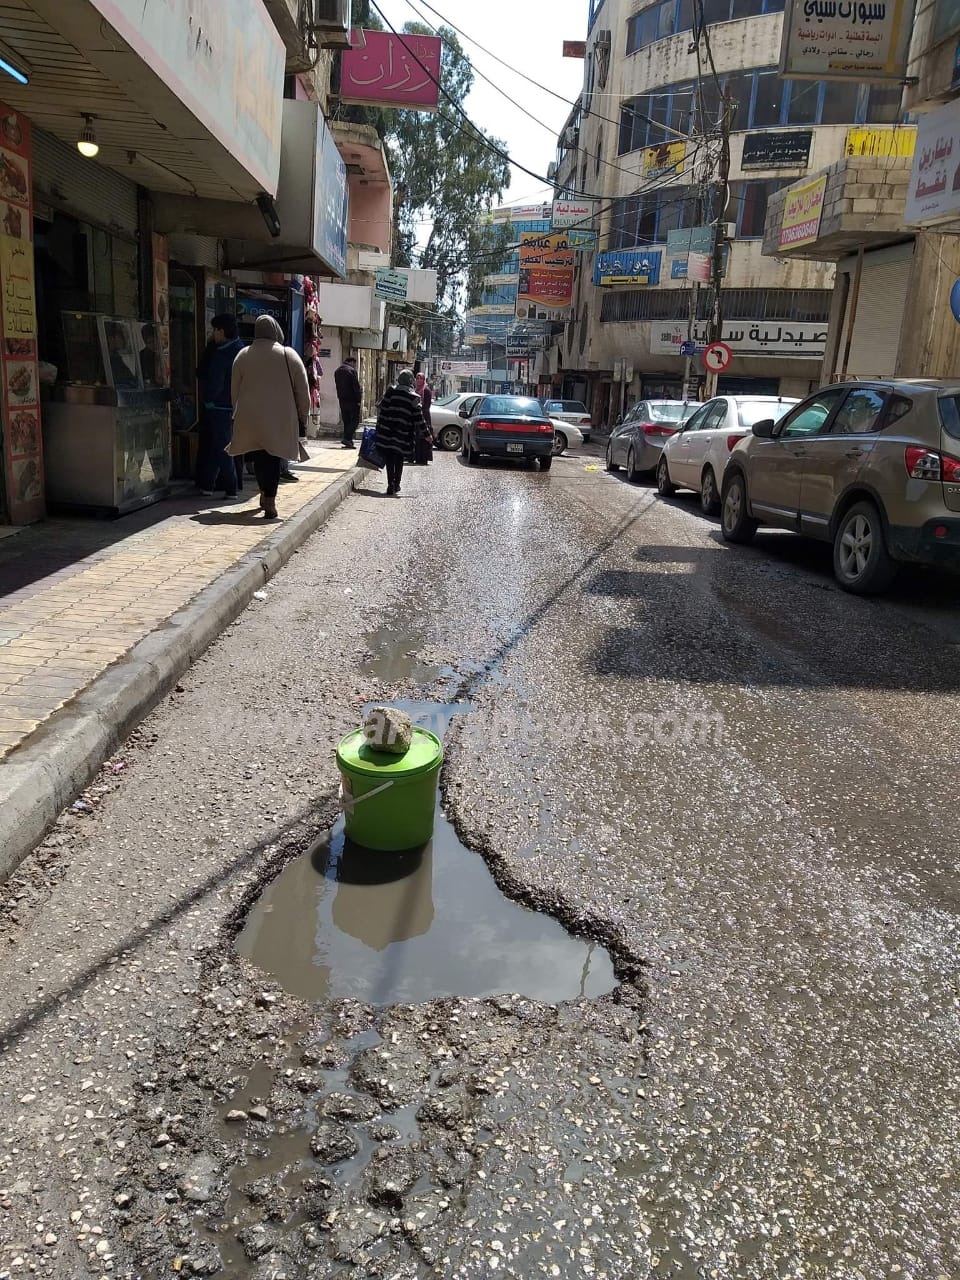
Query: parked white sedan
567	436
446	420
696	457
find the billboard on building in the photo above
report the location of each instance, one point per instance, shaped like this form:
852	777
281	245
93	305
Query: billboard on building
802	213
933	193
669	158
631	266
777	149
389	70
845	40
546	273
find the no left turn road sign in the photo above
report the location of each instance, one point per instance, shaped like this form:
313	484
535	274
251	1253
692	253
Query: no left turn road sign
717	357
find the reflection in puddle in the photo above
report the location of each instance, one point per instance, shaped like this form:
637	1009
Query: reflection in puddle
345	922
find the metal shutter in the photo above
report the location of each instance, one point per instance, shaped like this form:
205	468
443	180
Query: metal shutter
90	191
880	311
195	251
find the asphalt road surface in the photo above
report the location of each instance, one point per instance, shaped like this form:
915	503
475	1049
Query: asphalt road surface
705	762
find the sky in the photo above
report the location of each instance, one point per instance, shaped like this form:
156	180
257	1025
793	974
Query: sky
529	35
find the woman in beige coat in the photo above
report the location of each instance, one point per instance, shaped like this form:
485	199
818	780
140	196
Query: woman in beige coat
271	403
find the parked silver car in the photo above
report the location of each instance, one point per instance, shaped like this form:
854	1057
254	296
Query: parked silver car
637	441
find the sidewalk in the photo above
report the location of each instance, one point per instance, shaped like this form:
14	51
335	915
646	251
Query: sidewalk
78	594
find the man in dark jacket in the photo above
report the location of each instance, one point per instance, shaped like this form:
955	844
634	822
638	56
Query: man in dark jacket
215	468
350	395
399	426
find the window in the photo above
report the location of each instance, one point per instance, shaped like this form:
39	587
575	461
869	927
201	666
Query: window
748	206
752	411
810	305
859	413
716	417
746	8
883	103
716	11
803	98
766	111
673	16
808	420
839	102
699	418
739	88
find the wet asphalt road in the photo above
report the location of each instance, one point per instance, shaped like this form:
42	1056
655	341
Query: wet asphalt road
709	759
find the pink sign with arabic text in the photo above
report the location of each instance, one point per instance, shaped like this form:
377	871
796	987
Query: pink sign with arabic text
387	70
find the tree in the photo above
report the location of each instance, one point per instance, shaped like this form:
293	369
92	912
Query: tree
445	171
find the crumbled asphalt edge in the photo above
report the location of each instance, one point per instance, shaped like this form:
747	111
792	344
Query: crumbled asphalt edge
377	1223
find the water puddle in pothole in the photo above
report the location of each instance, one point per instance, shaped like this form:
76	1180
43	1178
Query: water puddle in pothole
345	922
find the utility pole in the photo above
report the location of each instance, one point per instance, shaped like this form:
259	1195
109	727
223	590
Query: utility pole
723	194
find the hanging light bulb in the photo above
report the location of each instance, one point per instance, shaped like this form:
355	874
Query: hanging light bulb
87	143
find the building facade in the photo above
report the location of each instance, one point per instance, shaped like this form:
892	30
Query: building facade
644	141
890	219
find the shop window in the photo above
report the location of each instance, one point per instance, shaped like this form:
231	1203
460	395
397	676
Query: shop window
840	102
767	105
803	97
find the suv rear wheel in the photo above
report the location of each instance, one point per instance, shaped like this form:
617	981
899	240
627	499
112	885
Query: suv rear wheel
735	521
861	562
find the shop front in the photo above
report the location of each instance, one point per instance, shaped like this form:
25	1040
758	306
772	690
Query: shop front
86	395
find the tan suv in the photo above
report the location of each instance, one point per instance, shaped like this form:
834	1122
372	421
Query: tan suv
873	467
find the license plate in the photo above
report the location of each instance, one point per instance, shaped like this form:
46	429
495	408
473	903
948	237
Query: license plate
514	448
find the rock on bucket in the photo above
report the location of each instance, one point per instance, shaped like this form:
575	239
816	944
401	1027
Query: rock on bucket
389	772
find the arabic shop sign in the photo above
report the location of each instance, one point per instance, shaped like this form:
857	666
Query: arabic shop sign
464	368
390	285
574	213
802	213
846	39
933	193
635	266
780	338
546	273
583	241
666	159
690	240
881	142
388	70
777	149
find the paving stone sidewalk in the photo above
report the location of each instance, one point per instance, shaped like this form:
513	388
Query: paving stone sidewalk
76	594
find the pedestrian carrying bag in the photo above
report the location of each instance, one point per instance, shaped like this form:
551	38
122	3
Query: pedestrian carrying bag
370	455
304	456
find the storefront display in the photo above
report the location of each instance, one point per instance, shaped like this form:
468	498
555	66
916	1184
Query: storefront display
21	462
105	426
195	296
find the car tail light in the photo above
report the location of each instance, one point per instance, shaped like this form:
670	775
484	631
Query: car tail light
926	464
546	426
732	441
951	470
658	428
483	425
585	422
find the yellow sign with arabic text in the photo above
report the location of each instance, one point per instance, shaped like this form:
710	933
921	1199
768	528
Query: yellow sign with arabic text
667	159
19	292
896	140
802	213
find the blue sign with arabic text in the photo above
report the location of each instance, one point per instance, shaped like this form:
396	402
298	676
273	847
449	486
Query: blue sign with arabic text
631	266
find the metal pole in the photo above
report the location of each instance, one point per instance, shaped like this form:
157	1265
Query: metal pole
723	193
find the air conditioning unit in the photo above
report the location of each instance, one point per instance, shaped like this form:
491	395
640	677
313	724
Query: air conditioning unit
729	230
551	170
330	23
571	136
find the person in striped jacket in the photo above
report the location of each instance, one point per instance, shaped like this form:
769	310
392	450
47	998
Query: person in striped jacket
400	424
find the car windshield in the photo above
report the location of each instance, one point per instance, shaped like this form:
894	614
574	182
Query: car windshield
517	406
663	411
751	412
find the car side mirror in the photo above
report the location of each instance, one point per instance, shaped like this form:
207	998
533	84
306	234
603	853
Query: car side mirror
463	413
766	428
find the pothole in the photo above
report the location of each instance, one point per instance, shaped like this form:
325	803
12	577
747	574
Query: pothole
345	922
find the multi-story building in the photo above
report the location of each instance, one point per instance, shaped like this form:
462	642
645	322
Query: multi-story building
889	219
645	142
492	319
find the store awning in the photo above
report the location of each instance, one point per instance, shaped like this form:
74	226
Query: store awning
175	106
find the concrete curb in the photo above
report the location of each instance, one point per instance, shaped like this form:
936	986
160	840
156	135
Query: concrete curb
65	752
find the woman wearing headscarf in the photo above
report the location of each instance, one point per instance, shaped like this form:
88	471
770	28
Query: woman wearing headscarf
399	425
424	448
271	405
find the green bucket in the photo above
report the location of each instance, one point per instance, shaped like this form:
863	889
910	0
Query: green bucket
389	801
